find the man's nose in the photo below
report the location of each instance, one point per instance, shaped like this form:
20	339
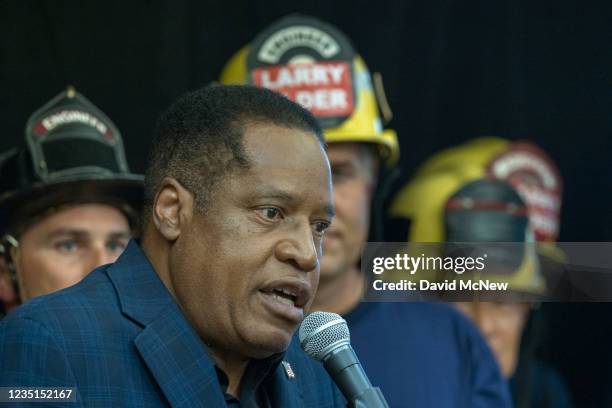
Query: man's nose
299	248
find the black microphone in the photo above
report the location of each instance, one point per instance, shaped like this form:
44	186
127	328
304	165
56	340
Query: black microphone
325	337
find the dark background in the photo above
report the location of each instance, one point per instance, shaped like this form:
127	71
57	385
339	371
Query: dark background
453	70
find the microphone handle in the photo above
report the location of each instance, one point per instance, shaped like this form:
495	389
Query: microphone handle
371	398
345	369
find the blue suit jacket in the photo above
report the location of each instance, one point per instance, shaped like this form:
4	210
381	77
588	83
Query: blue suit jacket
122	341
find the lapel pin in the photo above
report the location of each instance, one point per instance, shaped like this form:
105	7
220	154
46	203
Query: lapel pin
288	370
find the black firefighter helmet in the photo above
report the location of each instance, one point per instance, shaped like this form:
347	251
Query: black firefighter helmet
73	154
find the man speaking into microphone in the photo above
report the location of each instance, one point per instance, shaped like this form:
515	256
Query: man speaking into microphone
202	312
419	354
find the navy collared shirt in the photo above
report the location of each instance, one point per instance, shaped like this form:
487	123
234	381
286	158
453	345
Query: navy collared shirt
253	391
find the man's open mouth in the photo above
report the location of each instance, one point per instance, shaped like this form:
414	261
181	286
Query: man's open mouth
287	298
284	296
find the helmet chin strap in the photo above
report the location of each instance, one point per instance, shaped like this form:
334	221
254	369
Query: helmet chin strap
8	244
381	97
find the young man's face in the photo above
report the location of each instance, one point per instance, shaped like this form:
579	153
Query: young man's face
353	174
62	248
245	271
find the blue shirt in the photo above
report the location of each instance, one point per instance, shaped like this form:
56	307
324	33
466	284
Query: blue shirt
426	355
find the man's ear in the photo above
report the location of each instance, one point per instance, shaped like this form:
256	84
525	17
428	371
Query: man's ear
172	208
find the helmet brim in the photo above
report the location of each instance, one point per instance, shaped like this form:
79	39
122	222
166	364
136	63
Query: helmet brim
124	189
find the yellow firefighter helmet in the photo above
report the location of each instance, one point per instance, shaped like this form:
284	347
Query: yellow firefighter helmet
446	183
314	64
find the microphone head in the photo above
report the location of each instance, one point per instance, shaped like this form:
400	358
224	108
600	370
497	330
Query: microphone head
322	332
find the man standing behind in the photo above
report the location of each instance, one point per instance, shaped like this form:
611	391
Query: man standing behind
202	313
421	355
68	202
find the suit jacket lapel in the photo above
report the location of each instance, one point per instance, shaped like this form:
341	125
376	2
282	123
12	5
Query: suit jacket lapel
171	349
178	361
285	392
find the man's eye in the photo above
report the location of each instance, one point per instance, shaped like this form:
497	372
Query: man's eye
66	246
270	213
116	246
341	173
321	226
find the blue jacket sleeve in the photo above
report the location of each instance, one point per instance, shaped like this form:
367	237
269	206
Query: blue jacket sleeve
31	357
